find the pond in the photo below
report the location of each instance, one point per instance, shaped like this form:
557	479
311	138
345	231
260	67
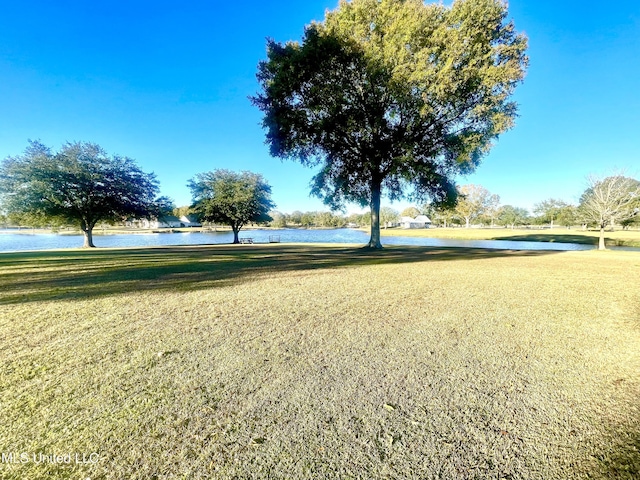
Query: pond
10	241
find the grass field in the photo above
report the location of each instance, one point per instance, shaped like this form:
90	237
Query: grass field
309	361
627	238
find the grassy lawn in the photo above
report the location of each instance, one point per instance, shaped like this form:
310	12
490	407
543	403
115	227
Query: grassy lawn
628	238
309	361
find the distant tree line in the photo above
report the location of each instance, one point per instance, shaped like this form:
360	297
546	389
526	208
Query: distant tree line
82	186
476	206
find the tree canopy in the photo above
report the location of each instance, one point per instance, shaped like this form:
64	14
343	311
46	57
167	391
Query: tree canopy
80	184
388	215
393	96
512	216
473	201
231	198
549	210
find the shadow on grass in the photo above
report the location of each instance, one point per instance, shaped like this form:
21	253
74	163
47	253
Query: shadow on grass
569	238
62	275
623	461
554	238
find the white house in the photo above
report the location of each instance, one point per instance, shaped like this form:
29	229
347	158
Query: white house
171	221
190	221
168	221
421	221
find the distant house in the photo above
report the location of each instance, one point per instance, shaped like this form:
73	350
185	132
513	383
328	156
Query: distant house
168	221
424	219
171	221
421	221
190	221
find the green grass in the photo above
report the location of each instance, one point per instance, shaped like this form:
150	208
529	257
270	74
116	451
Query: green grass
291	361
626	238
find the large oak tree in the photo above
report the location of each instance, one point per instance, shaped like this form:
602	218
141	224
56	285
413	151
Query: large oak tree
389	94
80	184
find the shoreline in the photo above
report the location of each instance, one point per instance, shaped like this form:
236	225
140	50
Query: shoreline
617	238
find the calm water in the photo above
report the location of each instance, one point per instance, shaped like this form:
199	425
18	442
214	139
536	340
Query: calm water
21	242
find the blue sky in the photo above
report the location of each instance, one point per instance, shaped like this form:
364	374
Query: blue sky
166	83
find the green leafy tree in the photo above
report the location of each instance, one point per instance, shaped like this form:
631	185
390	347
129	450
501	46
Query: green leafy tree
567	216
445	216
360	219
307	219
511	216
231	198
473	201
181	211
633	221
79	185
388	215
279	219
610	199
394	96
412	212
492	208
325	219
548	211
296	217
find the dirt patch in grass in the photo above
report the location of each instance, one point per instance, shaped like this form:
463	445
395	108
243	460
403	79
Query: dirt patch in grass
450	363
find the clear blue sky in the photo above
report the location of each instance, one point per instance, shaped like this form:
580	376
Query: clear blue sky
166	83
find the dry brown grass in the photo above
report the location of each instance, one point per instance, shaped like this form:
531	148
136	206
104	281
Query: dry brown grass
322	362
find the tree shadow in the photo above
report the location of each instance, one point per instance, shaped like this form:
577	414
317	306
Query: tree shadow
553	238
75	274
622	460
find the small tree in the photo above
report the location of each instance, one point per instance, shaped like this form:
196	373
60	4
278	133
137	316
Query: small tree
79	185
388	215
308	219
512	216
231	198
549	210
610	199
492	208
567	216
296	217
279	219
440	215
181	211
473	201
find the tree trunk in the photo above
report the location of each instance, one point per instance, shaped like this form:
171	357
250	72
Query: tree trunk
88	238
374	240
236	231
467	219
87	229
601	245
